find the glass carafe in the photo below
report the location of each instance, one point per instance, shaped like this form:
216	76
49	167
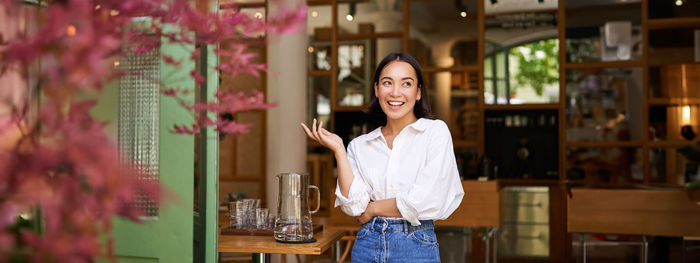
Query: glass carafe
293	222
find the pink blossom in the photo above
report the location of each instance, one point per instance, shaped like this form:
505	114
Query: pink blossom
61	160
197	77
171	61
232	127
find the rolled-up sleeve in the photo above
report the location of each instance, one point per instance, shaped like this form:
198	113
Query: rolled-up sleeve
437	191
358	197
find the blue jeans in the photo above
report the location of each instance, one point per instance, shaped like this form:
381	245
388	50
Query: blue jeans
383	240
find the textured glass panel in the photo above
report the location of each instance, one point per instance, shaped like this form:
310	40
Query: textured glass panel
139	99
319	32
603	105
355	69
319	98
609	31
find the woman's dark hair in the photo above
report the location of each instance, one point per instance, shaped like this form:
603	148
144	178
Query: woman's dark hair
422	107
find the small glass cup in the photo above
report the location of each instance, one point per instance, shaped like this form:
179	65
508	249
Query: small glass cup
232	213
251	206
270	221
241	211
261	215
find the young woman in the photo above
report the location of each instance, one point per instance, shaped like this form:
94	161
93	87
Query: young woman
400	177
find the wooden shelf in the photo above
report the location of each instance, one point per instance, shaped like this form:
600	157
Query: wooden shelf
671	143
666	186
513	181
673	101
350	108
539	11
665	23
521	106
465	68
462	93
604	64
319	73
604	144
465	144
364	36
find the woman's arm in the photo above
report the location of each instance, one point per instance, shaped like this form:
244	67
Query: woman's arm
345	176
384	208
352	191
335	144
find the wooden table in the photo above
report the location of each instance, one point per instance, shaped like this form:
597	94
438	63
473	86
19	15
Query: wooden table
262	246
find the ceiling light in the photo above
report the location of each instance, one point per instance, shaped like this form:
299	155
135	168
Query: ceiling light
461	8
351	12
679	2
314	13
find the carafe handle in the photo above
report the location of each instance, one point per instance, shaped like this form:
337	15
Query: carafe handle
318	196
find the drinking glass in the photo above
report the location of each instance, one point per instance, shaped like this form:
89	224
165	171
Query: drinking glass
241	214
232	213
261	215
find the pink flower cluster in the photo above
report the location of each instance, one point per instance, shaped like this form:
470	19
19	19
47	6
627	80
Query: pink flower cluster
58	159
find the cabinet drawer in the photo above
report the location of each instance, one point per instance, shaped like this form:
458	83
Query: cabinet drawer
525	205
523	240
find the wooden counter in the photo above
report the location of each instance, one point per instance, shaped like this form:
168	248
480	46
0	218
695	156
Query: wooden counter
633	211
480	206
268	245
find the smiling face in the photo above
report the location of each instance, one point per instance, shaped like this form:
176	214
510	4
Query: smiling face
398	91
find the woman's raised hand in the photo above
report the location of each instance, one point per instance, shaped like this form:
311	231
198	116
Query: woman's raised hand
323	136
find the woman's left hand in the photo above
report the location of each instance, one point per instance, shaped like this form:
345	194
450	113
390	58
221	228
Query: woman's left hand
366	216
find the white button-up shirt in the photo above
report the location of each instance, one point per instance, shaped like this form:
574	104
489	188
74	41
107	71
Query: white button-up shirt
420	172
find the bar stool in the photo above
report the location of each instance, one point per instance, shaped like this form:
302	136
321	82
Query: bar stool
643	245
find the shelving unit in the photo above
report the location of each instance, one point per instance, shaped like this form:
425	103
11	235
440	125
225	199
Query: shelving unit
603	65
242	166
638	77
673	101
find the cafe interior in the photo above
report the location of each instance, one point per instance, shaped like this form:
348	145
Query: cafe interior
575	126
573	122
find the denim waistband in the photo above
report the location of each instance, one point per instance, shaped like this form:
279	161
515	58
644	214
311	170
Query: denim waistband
390	224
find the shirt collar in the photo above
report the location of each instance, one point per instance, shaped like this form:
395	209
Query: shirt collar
420	125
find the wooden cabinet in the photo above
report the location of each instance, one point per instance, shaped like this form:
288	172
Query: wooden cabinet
633	211
480	206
